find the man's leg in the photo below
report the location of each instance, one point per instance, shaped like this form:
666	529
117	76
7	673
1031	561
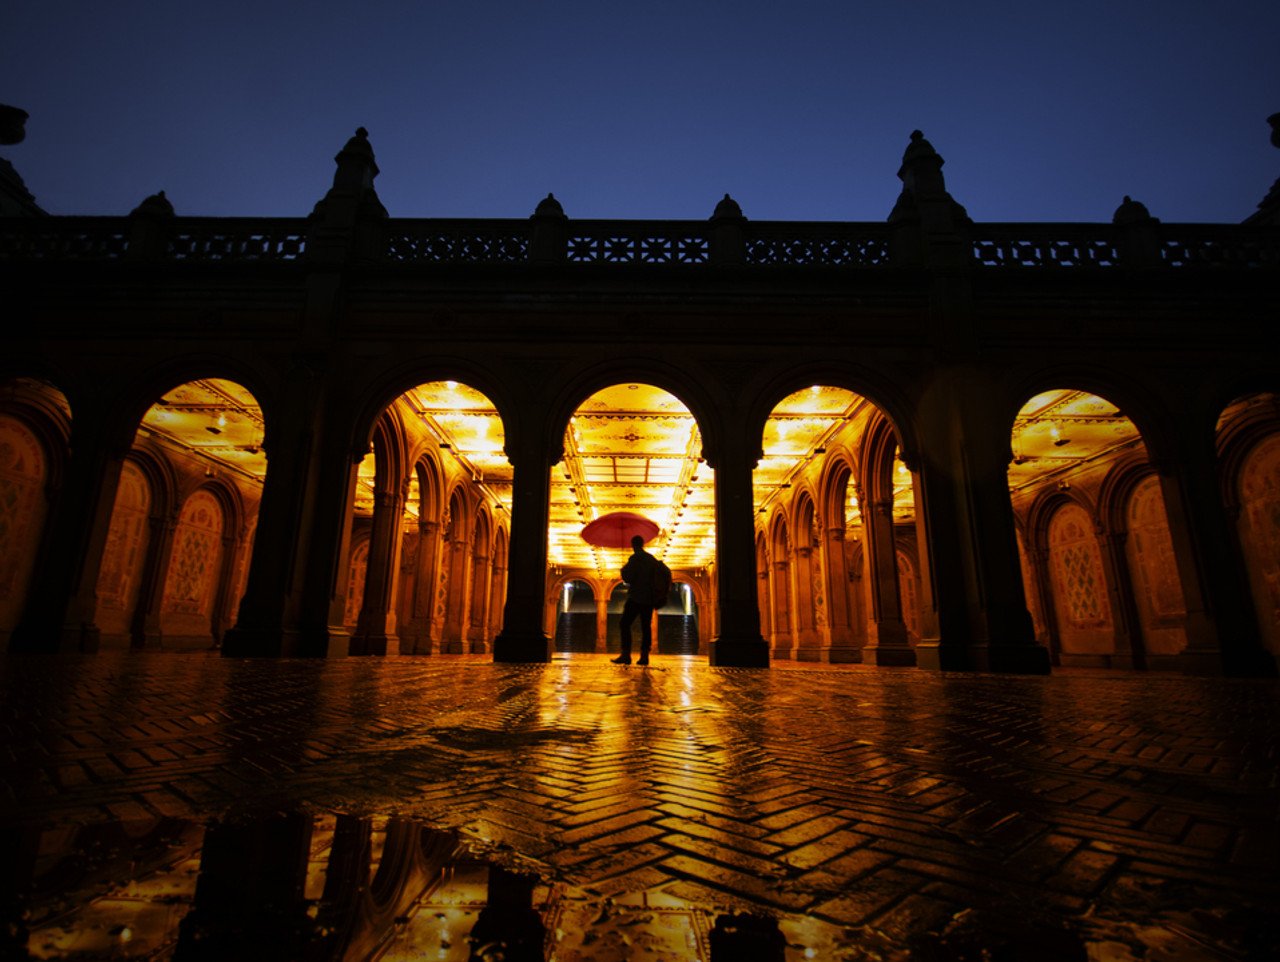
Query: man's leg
646	633
624	628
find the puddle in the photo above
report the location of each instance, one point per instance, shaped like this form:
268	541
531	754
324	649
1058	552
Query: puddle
291	886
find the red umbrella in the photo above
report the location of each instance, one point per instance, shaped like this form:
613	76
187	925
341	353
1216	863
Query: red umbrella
616	529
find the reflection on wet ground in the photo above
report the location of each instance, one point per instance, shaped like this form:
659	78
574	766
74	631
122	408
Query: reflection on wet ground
201	809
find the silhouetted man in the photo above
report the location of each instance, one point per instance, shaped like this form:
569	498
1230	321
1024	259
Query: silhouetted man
638	573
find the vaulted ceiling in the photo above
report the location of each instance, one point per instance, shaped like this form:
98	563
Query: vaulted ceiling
635	447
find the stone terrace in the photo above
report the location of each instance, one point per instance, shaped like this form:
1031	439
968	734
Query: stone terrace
1135	811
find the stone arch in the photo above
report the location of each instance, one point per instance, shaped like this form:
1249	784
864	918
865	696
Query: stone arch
392	384
864	382
1134	400
675	381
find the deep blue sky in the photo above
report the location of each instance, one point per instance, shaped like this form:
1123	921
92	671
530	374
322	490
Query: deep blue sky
801	109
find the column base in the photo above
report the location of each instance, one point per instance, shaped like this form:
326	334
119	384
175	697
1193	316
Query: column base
935	656
739	653
522	648
375	645
889	656
286	643
1024	659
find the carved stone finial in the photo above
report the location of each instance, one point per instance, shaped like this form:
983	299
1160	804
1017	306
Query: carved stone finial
1132	212
157	205
727	208
548	207
12	119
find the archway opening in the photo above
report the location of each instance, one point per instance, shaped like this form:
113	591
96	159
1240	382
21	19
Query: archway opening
1097	558
430	515
576	616
634	447
181	536
830	487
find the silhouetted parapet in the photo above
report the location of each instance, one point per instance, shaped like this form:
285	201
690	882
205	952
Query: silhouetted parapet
930	227
1268	212
1137	235
549	232
349	218
15	199
728	235
150	226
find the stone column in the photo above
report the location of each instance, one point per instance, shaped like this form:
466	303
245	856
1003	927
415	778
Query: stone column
887	642
522	638
61	600
418	629
375	632
739	642
249	900
1222	632
1003	636
1124	608
292	604
480	578
842	647
147	630
602	625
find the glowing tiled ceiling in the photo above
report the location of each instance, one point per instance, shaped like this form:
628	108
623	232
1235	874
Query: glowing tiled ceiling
214	419
1058	431
633	447
468	428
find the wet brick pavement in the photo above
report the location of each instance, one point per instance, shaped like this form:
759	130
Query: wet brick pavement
878	804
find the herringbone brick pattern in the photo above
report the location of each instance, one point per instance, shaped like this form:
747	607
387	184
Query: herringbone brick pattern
888	803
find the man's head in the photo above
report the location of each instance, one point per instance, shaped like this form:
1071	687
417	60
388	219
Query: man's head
637	544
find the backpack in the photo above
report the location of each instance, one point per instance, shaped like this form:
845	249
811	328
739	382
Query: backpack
661	583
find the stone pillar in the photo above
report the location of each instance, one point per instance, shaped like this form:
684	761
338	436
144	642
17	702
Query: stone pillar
522	638
418	629
480	577
249	900
61	600
458	600
294	600
887	642
1124	609
375	632
983	622
147	630
739	642
842	647
1222	632
602	625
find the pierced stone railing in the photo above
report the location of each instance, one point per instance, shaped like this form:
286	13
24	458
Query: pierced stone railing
817	244
1045	245
1214	245
238	239
456	241
758	244
638	242
63	238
